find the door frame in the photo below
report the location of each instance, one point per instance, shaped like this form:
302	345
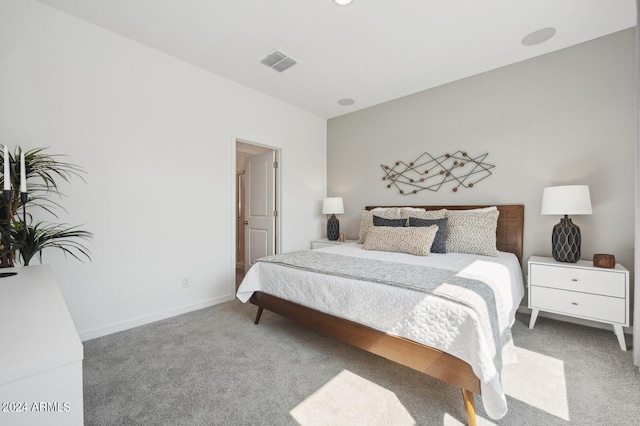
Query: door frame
251	140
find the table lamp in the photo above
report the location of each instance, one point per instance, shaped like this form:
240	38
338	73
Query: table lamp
333	206
566	200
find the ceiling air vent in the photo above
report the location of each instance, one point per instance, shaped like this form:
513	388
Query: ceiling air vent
278	61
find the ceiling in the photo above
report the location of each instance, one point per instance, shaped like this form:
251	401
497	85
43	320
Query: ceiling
371	51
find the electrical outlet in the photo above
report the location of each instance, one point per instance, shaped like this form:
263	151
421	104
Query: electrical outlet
186	282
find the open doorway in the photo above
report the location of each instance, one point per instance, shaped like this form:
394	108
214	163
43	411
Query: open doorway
256	204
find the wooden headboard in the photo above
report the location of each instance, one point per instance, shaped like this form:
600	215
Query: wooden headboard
510	225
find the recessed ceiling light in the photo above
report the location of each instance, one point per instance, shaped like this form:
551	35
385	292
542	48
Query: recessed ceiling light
342	2
346	102
539	36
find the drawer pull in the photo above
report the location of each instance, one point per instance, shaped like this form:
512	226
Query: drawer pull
574	303
574	279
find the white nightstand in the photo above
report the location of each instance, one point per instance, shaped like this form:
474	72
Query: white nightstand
324	242
580	290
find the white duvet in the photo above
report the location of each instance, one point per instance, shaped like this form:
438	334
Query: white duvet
424	318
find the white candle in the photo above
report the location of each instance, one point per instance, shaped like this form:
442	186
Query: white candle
7	176
23	174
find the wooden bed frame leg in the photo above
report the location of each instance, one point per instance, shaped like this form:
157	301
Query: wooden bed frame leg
467	397
260	309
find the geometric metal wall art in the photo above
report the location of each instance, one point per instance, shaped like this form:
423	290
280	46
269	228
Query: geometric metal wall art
430	173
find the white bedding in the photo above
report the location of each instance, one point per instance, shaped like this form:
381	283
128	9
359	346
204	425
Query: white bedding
424	318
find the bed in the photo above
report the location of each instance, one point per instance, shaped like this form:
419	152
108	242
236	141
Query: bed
315	300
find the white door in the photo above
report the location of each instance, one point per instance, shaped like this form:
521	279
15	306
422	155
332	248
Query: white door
259	204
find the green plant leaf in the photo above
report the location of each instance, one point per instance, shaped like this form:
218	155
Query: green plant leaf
43	173
41	235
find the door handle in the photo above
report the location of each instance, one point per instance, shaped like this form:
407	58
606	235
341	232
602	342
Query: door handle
246	222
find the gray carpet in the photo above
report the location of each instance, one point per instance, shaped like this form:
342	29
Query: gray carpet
215	367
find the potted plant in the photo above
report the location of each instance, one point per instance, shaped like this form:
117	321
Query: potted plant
29	238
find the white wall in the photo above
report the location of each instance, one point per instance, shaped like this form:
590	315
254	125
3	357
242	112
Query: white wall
157	138
563	118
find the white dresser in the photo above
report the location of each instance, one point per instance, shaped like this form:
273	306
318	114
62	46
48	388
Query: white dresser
580	290
40	352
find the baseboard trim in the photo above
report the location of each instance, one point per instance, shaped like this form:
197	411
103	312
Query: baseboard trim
580	321
147	319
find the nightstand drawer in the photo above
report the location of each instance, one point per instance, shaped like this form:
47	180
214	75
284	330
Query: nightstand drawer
603	308
605	282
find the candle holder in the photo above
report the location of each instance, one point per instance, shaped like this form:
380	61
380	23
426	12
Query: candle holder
8	247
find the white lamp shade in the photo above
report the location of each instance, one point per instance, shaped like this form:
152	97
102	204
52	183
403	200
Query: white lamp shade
566	200
332	205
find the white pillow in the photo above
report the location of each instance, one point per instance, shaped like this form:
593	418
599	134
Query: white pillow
411	240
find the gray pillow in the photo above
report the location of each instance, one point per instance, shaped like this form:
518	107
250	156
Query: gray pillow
472	232
439	243
381	221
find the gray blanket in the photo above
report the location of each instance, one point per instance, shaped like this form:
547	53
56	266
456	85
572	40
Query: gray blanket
415	277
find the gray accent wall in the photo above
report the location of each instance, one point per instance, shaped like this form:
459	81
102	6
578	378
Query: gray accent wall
563	118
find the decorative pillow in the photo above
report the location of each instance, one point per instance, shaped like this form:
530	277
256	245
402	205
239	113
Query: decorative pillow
381	221
366	220
416	240
472	232
439	245
423	214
